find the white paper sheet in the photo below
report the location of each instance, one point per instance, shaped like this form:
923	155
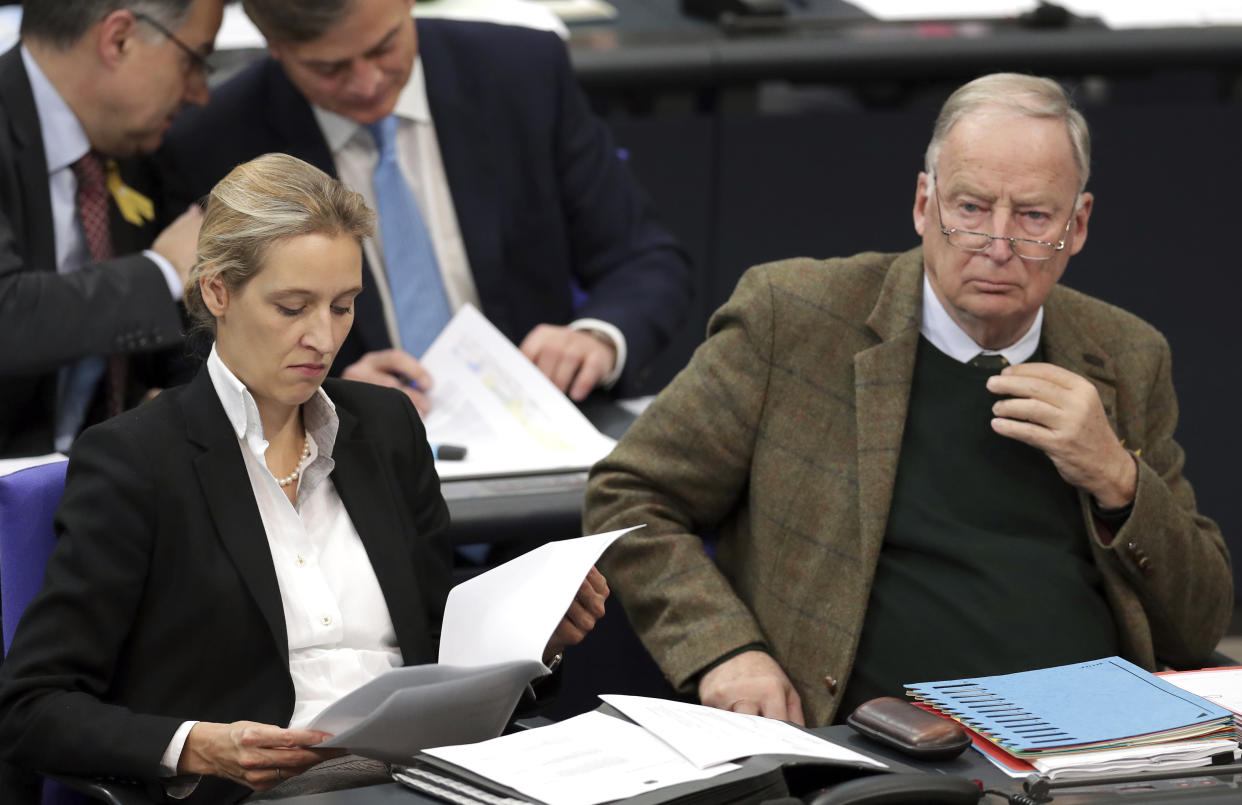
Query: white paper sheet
636	405
237	32
495	628
585	760
580	10
1222	686
1113	13
1132	14
1133	759
509	612
944	10
489	398
707	736
10	26
505	12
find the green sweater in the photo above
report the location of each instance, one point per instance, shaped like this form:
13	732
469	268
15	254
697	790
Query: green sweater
985	567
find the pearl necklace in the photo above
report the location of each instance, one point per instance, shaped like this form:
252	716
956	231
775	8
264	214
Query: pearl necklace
293	476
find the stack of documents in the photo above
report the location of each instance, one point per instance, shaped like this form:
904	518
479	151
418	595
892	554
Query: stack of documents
494	631
1134	759
489	398
1098	763
668	752
1075	721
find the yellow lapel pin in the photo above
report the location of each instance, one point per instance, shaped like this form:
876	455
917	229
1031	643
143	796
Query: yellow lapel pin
134	206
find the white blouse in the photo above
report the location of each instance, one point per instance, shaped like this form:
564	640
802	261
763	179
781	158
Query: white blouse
340	633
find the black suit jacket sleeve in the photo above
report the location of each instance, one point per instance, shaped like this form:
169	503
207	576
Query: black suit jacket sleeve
634	273
48	319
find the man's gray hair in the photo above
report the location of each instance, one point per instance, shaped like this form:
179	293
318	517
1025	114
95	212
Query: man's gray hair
296	20
61	23
1025	94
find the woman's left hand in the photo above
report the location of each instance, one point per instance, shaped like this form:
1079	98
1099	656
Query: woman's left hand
587	608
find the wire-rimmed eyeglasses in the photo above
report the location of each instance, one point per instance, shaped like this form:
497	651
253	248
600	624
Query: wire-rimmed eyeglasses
1026	248
197	60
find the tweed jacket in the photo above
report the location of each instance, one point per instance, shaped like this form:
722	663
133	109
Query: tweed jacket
781	437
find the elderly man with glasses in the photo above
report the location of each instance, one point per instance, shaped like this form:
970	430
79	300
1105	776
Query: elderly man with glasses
84	304
919	466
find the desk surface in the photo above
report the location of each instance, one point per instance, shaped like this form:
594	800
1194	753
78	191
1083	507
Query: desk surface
516	508
1199	789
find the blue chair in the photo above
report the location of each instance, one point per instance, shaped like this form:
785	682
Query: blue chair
28	499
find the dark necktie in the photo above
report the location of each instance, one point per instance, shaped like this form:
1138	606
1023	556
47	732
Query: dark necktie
992	363
93	210
93	205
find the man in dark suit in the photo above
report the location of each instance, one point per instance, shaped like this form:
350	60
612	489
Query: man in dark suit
892	506
88	82
526	202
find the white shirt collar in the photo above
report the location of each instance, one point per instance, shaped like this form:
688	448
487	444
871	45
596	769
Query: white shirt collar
243	412
64	139
945	335
411	105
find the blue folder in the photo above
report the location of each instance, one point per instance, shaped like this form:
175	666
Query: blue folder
1108	701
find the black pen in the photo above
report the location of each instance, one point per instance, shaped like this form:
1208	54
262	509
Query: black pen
447	452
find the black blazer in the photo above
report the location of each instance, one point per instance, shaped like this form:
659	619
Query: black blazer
161	603
541	196
48	320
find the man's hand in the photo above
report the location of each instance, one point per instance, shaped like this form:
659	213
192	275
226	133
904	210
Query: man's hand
754	684
392	367
1060	413
258	756
587	608
575	360
179	241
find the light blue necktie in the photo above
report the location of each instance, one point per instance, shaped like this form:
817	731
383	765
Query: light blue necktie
413	275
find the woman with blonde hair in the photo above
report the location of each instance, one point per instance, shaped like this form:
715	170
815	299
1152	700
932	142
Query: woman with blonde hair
241	551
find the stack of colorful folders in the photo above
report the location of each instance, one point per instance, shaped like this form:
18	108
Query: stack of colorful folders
1084	709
